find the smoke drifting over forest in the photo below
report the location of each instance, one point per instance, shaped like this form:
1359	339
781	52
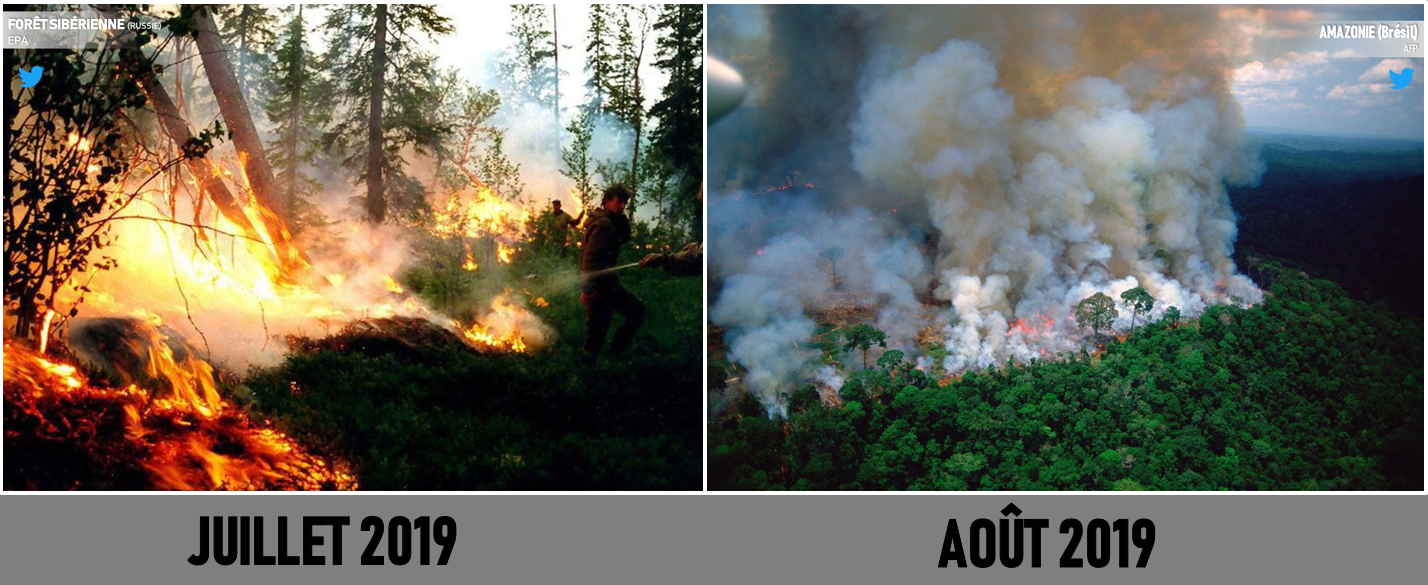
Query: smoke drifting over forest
221	290
975	173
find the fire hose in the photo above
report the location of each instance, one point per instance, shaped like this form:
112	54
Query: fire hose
589	275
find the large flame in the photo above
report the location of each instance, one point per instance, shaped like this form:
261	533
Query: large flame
190	439
506	327
479	212
237	275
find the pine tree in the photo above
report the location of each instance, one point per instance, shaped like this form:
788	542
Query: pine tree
383	96
628	104
249	30
529	68
599	58
680	133
576	157
289	88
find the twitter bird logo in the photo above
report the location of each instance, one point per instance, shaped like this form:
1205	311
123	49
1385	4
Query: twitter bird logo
31	77
1401	79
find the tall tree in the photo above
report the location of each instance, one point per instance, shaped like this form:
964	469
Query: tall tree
864	336
224	83
1139	301
599	58
529	69
628	104
383	96
680	133
376	201
250	30
289	108
576	156
555	62
1096	311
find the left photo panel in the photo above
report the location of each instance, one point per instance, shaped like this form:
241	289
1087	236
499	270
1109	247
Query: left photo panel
353	247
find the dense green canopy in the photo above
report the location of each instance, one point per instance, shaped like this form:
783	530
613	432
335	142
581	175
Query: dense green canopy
1310	390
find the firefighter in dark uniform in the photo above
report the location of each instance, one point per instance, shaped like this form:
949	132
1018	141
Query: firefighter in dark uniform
606	229
688	261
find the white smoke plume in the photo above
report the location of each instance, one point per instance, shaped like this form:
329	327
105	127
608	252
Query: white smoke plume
1051	153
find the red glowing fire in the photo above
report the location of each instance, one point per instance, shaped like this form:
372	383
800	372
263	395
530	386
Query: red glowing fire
185	439
1035	325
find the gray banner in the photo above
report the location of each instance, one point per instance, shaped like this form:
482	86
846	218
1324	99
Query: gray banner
725	538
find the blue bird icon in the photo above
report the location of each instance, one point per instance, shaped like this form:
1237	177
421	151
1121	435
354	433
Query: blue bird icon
1401	79
31	77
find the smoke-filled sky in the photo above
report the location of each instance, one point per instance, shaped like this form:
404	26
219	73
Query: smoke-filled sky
962	177
1281	79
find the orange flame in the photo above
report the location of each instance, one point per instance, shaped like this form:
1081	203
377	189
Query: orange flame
470	264
481	212
192	440
507	328
45	330
392	285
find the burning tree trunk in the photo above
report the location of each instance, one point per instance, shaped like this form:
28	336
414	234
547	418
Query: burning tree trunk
235	112
376	203
289	257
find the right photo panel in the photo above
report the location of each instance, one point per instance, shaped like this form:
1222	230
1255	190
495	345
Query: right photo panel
1065	248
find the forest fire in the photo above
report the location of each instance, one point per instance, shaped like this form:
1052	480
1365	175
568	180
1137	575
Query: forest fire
480	213
240	222
1038	324
469	264
190	439
166	423
506	328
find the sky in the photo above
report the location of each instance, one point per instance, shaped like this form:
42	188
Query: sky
483	32
1284	82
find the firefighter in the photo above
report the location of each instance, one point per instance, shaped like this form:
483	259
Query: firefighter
688	261
558	224
606	230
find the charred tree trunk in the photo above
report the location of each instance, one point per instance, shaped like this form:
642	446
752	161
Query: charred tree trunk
376	201
210	182
235	112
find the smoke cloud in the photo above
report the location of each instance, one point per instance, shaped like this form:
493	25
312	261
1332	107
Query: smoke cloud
983	169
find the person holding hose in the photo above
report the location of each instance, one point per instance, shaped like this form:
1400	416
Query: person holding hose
606	229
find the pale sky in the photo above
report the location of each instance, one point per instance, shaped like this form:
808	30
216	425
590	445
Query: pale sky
483	32
1283	82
